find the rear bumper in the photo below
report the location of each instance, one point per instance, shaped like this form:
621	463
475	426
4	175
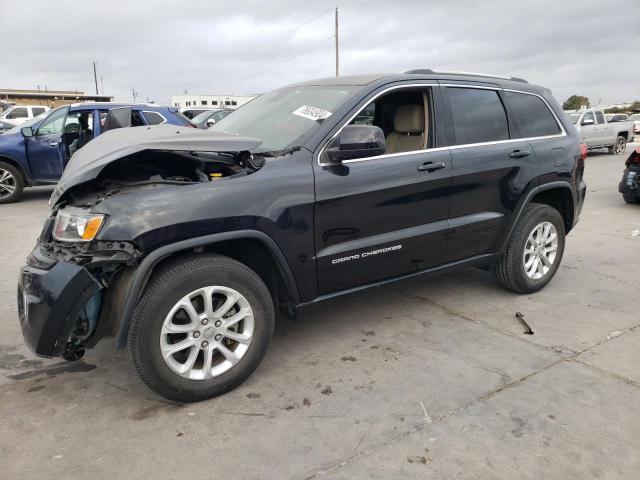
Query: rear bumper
50	298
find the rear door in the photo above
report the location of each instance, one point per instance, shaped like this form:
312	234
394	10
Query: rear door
490	170
385	216
605	132
44	149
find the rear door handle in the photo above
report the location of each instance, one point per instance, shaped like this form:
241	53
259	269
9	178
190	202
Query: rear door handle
519	153
53	144
430	167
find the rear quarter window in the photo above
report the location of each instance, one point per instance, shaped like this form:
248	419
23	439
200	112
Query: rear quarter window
154	118
532	115
478	115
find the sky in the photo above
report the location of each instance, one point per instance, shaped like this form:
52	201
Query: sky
162	47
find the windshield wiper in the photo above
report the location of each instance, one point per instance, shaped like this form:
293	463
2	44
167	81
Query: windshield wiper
279	153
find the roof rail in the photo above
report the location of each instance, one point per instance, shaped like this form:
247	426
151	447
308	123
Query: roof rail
424	71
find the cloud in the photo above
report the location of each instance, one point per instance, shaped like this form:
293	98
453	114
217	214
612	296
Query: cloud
160	48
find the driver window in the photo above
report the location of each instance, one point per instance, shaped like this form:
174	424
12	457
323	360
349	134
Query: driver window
404	116
53	123
587	117
77	131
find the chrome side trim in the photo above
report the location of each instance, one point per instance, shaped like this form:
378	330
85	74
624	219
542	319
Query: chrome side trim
437	149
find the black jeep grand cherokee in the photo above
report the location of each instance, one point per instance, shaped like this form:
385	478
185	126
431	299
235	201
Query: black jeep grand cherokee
182	243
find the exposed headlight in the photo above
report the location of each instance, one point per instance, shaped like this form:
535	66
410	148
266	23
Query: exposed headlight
76	225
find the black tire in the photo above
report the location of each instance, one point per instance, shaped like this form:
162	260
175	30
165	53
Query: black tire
172	282
18	183
614	148
510	270
631	199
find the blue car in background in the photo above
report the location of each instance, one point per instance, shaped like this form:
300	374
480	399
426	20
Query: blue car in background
36	152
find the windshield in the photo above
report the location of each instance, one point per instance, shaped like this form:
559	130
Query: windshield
6	112
573	117
282	117
28	123
201	117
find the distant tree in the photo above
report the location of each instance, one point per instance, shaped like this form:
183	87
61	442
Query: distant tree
635	106
615	110
575	102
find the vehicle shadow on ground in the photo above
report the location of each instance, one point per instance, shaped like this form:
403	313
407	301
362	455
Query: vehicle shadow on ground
36	194
348	317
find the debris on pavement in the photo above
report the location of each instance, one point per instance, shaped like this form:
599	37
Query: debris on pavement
527	328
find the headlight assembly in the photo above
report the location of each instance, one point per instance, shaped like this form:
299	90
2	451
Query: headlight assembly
76	225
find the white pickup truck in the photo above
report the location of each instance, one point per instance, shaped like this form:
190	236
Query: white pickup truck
596	132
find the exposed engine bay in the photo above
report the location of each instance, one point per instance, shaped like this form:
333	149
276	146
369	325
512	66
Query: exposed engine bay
153	169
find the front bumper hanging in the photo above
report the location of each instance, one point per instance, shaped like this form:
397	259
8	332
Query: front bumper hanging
50	298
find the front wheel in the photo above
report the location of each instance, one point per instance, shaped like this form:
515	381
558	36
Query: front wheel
534	252
631	199
619	147
201	328
11	183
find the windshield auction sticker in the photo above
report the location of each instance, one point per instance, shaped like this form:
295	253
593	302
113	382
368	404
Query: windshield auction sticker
311	113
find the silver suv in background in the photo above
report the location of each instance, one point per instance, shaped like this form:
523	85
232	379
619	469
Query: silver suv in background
597	132
18	114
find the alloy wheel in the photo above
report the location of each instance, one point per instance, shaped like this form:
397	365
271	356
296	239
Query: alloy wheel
7	183
540	250
207	332
620	145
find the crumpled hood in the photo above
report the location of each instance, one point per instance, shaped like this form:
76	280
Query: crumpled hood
87	163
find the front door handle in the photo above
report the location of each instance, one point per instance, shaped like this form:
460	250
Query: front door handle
519	153
53	144
430	167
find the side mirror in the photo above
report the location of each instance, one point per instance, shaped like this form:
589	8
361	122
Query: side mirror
587	121
211	122
358	141
26	132
117	118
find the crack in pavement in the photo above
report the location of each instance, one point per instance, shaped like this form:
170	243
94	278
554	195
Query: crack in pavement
571	358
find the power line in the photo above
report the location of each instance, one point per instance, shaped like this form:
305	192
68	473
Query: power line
254	74
291	30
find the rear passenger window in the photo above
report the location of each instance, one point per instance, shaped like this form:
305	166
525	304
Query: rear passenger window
600	117
37	111
532	115
478	115
154	118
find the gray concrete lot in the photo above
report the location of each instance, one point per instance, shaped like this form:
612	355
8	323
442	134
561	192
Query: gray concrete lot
431	378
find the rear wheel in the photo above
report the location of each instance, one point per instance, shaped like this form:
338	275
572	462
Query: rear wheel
201	328
11	183
534	251
619	147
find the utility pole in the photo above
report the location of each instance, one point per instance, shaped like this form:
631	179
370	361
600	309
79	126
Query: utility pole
337	55
135	94
95	77
101	85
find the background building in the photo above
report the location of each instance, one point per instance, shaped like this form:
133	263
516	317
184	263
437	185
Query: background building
210	101
50	98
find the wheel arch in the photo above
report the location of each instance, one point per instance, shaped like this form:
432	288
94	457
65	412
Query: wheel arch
255	249
16	165
558	195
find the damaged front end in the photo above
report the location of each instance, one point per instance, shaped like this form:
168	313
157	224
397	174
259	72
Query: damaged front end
72	290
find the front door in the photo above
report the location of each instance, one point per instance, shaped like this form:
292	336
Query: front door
386	216
44	148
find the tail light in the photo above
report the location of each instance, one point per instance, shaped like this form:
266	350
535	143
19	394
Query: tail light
634	158
583	151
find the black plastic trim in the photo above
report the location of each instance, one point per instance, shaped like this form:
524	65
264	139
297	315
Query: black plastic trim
147	264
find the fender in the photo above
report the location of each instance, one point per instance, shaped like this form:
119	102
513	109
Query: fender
141	274
527	201
24	171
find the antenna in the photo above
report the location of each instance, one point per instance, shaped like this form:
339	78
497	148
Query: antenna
337	53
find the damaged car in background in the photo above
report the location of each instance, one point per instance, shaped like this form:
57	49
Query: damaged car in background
183	243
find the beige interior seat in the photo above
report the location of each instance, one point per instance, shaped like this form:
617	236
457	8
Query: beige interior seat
408	130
